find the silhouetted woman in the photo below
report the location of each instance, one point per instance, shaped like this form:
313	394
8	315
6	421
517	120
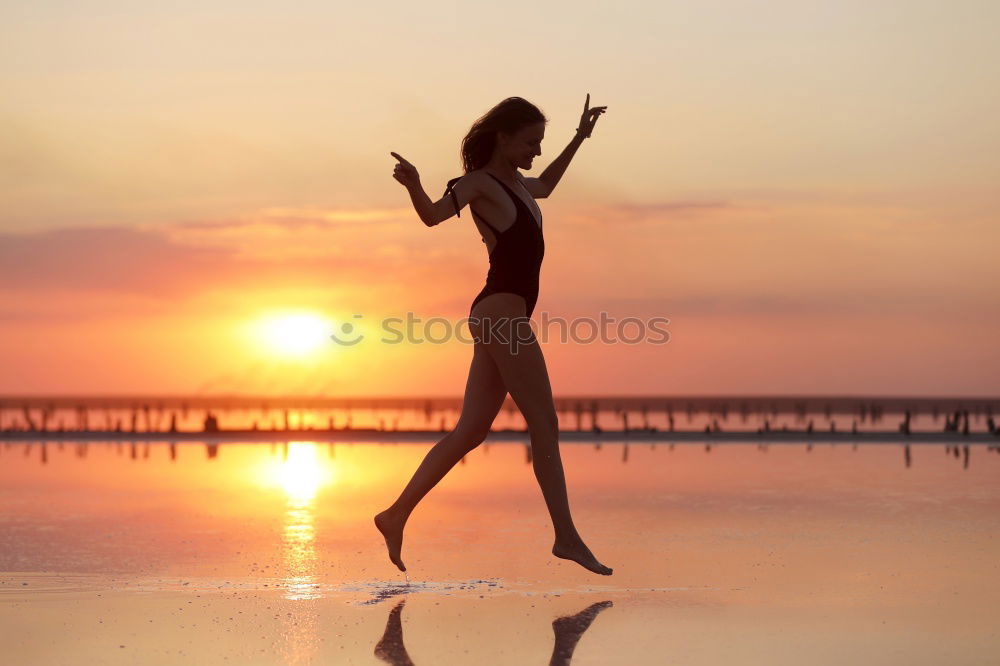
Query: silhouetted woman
506	356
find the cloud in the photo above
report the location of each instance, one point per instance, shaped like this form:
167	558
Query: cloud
654	213
301	218
751	259
701	301
666	209
162	264
103	258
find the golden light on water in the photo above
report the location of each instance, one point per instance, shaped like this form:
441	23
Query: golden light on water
300	551
300	471
302	474
301	477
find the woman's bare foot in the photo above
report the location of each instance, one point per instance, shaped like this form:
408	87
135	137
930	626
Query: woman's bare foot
579	553
392	529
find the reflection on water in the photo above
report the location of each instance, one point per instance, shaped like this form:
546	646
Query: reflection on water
300	553
301	478
727	550
568	630
596	414
302	475
390	647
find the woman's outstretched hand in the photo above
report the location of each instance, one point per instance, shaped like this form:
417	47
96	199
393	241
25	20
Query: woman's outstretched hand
405	172
589	117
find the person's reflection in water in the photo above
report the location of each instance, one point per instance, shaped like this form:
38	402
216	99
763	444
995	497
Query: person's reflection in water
390	648
568	630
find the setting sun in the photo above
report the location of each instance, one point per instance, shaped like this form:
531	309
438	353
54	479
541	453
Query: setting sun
296	334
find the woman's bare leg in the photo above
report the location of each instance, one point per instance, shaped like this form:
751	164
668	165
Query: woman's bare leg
484	396
522	367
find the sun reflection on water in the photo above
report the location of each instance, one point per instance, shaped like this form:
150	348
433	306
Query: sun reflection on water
301	475
300	551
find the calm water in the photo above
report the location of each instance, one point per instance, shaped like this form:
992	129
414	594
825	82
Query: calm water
114	553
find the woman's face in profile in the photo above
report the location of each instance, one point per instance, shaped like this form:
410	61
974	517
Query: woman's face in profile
525	144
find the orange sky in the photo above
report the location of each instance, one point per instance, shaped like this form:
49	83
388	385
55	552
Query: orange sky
807	193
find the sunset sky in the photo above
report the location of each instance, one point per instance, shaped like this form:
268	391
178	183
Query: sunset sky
807	190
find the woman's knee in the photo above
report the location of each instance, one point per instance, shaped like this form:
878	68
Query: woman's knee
471	436
544	424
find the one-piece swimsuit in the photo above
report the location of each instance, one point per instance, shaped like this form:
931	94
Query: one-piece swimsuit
516	259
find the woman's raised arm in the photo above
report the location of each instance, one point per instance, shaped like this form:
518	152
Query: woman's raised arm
433	213
407	175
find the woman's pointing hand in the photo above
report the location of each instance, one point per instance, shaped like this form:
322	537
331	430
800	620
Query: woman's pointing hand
405	172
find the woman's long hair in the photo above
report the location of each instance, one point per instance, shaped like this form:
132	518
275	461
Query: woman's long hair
508	117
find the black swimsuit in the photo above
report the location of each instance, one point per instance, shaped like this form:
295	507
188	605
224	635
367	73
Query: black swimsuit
516	259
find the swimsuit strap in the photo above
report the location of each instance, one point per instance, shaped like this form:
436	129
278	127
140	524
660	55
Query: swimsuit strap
517	200
509	191
496	232
449	189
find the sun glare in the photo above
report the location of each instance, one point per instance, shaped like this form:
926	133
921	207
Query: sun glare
302	474
295	334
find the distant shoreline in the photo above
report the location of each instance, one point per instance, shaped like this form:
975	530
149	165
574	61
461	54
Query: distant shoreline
585	436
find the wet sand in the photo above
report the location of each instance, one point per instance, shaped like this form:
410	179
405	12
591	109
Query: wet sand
266	555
